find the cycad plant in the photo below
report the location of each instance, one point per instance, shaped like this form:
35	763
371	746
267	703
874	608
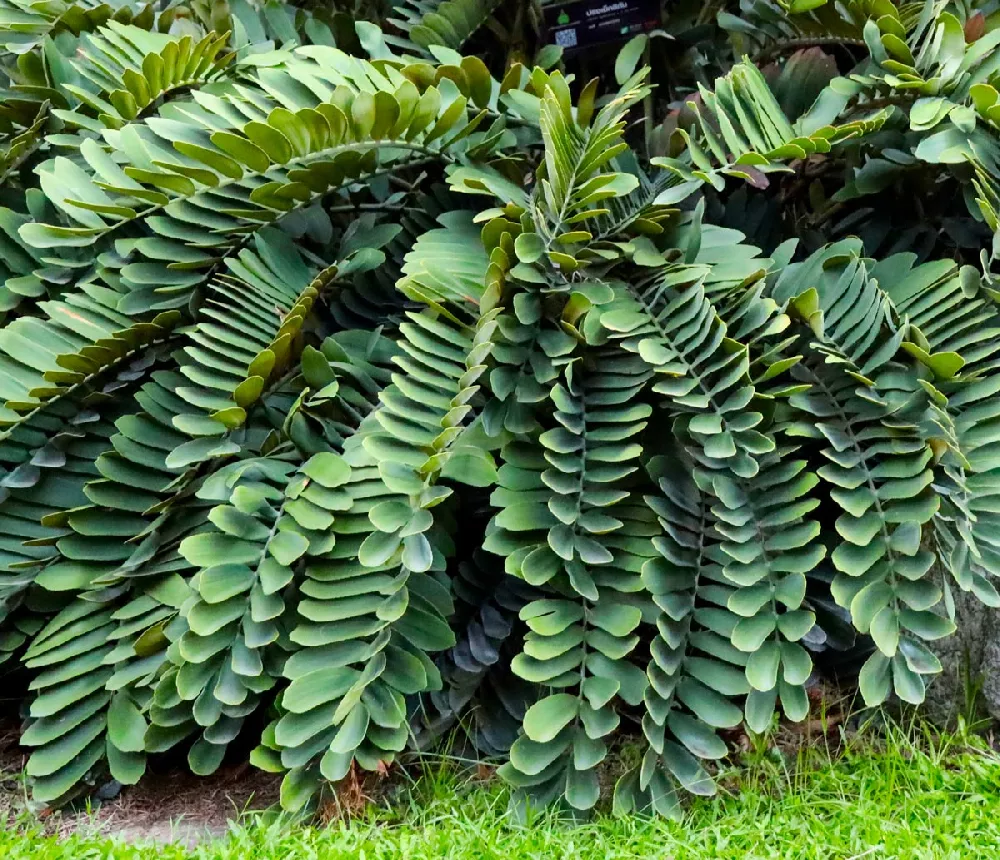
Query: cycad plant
355	391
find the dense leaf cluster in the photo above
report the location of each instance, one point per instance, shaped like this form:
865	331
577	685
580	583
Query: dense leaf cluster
355	389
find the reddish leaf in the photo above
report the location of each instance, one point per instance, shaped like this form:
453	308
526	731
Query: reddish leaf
975	27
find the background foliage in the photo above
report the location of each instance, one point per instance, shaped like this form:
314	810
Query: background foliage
369	374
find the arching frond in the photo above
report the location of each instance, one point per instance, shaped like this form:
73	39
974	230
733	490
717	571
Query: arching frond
448	23
237	163
126	71
742	131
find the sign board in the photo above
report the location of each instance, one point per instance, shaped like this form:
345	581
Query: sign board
579	23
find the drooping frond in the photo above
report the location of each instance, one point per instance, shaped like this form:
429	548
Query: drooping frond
572	502
131	520
694	671
377	579
880	468
668	321
63	385
92	666
956	321
770	542
226	643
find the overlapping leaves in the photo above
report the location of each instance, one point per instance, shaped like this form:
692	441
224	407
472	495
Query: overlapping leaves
588	456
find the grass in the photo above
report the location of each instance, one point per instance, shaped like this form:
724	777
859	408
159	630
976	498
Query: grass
910	795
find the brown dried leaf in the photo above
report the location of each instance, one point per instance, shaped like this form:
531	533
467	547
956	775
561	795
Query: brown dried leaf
975	27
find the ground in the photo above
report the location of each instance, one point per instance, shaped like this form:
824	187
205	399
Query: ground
169	806
836	795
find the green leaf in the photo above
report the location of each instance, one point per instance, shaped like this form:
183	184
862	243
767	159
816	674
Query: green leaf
926	624
549	716
222	582
211	549
126	725
762	667
582	788
529	247
471	466
699	738
234	522
287	547
628	57
390	516
875	680
327	469
885	630
750	633
617	619
532	757
687	770
126	767
908	684
298	787
417	553
760	709
352	731
204	758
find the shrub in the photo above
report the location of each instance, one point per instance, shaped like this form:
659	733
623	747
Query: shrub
353	393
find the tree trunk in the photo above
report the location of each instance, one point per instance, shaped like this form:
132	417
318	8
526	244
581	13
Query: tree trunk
970	680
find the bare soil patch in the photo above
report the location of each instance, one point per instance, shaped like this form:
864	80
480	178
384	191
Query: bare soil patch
169	805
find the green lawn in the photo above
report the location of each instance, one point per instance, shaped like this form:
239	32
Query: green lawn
902	799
